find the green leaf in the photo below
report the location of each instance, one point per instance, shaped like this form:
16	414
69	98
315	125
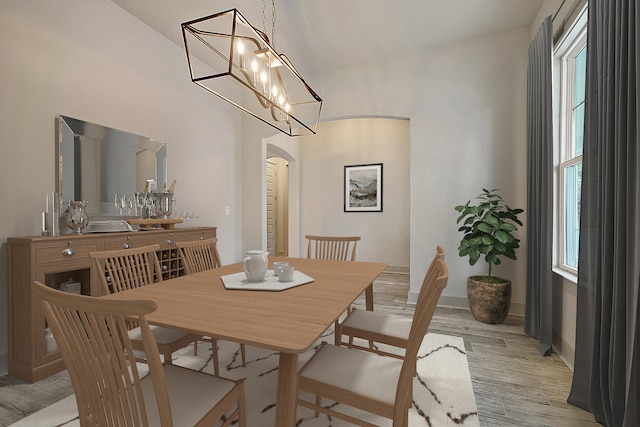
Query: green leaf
502	236
491	258
483	226
508	227
473	257
492	220
474	242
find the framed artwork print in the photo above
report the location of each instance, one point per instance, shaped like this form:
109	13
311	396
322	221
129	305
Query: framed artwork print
363	188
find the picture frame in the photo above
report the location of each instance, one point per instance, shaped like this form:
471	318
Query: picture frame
363	188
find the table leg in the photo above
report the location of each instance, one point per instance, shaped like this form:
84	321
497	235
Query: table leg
287	390
368	294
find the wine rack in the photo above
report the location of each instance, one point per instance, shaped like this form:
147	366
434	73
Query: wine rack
170	263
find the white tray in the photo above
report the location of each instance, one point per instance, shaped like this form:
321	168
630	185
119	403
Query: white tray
270	282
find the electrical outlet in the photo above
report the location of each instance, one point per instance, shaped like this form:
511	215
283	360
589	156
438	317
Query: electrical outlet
227	211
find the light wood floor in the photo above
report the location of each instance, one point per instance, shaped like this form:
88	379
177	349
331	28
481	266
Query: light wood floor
513	384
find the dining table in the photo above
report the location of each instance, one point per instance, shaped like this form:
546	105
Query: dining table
288	321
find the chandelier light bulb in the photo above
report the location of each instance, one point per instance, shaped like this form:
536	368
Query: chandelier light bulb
254	68
263	79
240	47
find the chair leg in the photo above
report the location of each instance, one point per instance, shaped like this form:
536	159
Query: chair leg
243	355
214	352
242	414
318	403
168	357
195	347
338	334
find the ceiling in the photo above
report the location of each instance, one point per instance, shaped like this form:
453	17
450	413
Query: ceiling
320	35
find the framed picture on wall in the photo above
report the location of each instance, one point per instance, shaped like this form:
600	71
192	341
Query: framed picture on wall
363	188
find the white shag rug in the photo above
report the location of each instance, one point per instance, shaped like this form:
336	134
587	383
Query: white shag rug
443	393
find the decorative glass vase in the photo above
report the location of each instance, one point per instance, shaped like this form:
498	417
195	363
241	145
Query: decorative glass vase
77	218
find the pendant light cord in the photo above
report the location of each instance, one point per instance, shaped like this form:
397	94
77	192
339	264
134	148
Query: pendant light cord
273	22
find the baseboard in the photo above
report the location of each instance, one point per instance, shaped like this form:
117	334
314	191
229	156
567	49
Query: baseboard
564	349
403	269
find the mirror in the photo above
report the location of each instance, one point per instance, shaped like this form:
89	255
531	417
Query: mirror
96	162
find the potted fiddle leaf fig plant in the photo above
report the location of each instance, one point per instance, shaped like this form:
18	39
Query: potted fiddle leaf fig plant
488	228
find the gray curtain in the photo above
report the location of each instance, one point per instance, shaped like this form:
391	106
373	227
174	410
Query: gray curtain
538	308
606	362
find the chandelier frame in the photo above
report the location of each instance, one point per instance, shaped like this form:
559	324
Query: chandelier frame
272	90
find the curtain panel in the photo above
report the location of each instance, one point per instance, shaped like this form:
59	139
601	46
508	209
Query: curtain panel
605	379
538	308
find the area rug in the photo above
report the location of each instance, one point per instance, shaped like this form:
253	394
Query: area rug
443	393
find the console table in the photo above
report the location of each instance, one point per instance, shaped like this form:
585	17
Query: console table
63	262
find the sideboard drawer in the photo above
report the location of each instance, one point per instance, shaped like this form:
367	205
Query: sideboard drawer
125	242
65	251
205	233
168	239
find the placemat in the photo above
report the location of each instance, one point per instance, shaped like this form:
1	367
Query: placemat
270	282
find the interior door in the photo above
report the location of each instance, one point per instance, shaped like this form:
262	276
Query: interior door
277	181
272	205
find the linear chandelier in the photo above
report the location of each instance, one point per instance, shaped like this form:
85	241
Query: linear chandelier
226	45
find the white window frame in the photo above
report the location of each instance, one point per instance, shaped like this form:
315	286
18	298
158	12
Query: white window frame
573	41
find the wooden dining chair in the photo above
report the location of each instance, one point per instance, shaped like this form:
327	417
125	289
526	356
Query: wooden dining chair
331	247
385	328
197	256
368	381
109	387
124	269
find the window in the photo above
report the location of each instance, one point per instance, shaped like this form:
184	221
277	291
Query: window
571	61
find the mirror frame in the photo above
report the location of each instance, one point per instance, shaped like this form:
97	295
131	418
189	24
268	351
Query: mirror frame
68	129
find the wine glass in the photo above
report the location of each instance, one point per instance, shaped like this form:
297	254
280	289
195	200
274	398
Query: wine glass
119	202
150	204
129	203
141	202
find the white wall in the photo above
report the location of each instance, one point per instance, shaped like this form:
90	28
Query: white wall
385	235
466	106
91	60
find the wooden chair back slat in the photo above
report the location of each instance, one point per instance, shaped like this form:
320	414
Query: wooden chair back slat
431	271
332	248
128	268
199	255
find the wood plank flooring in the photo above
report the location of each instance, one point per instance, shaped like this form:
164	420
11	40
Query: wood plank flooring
513	384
